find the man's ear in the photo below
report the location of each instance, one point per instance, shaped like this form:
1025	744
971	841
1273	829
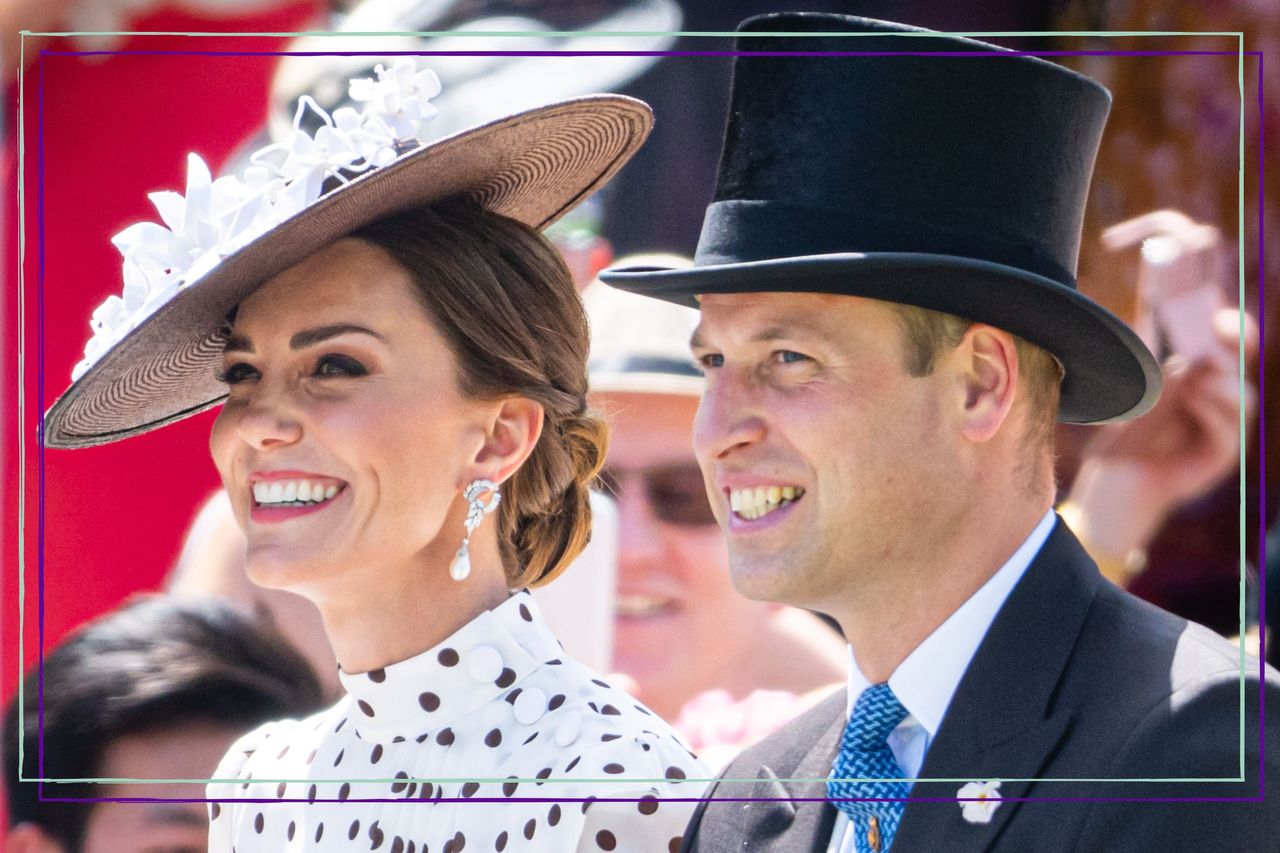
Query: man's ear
511	432
987	361
30	838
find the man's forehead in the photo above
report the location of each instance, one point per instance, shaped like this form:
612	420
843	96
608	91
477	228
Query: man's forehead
771	315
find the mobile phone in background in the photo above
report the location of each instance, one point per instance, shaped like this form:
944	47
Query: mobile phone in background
1180	282
579	605
1182	290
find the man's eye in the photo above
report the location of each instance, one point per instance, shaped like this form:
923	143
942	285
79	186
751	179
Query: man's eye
339	365
237	373
786	356
711	360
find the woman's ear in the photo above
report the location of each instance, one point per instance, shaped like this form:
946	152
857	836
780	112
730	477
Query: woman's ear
987	361
511	433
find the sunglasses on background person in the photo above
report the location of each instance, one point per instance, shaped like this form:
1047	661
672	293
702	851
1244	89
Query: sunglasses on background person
676	493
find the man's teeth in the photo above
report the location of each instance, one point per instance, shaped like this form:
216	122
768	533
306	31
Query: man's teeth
293	492
761	500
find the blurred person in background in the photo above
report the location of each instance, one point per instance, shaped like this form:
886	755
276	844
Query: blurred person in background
682	630
1134	476
158	689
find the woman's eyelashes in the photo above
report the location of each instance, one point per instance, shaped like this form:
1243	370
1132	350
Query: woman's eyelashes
330	366
339	365
235	374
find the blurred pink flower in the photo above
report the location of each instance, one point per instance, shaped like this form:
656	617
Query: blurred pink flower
717	728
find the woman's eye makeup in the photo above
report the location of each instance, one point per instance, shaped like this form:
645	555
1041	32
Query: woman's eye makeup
339	365
330	365
234	374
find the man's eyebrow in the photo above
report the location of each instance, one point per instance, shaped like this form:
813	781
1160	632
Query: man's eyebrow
787	329
305	338
778	331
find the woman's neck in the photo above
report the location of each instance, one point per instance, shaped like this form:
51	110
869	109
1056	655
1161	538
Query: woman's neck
388	616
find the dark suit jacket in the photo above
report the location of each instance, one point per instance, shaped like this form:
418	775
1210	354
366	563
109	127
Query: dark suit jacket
1074	680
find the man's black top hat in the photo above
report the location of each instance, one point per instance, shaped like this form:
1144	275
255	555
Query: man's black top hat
951	174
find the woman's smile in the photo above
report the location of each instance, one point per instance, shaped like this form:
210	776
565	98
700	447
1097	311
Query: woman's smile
284	495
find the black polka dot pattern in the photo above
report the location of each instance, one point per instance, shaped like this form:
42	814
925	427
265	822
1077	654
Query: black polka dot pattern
496	699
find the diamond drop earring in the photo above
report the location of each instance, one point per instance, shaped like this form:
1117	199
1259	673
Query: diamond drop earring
477	509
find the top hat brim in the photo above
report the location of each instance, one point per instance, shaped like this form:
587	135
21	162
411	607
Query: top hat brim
532	167
1110	374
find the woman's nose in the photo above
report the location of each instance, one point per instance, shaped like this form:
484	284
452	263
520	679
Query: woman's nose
267	419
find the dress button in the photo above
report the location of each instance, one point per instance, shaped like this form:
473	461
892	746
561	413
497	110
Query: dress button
568	730
530	705
484	663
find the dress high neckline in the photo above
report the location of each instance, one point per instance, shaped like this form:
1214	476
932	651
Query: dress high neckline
483	660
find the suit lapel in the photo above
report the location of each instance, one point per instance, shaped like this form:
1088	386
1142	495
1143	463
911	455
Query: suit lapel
1001	723
798	819
811	828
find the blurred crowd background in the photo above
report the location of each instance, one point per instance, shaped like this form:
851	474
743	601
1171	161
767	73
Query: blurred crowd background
107	119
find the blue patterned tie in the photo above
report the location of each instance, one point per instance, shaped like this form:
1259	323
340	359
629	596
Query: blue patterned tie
863	764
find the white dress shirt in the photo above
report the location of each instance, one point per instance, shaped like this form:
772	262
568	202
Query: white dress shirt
926	680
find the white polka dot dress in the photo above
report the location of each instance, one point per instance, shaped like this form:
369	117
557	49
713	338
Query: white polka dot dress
491	741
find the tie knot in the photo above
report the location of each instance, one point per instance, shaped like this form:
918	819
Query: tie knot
876	713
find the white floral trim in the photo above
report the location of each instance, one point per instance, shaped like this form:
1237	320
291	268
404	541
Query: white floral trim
216	217
979	801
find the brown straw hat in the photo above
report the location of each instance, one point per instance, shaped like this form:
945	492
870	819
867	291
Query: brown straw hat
533	167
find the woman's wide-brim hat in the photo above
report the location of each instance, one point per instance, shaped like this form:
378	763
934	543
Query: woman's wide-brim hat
918	168
155	354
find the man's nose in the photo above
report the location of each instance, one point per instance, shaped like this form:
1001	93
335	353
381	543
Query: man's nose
728	419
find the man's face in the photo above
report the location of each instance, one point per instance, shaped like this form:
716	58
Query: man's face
189	752
674	591
807	396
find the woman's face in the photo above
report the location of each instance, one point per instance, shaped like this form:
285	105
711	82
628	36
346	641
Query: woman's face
344	440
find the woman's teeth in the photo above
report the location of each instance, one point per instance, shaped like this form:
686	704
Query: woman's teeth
751	504
293	492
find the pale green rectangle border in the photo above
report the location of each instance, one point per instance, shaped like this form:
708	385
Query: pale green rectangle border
22	344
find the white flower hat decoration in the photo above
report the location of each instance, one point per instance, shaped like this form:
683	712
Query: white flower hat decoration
155	348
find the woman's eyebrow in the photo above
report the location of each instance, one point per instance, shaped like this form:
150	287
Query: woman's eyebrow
310	337
305	338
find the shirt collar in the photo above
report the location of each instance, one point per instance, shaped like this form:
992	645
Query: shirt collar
925	681
477	663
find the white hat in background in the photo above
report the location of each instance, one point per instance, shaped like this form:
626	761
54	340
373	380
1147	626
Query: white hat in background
638	344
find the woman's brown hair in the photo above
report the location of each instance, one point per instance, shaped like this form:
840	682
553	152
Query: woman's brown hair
504	301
